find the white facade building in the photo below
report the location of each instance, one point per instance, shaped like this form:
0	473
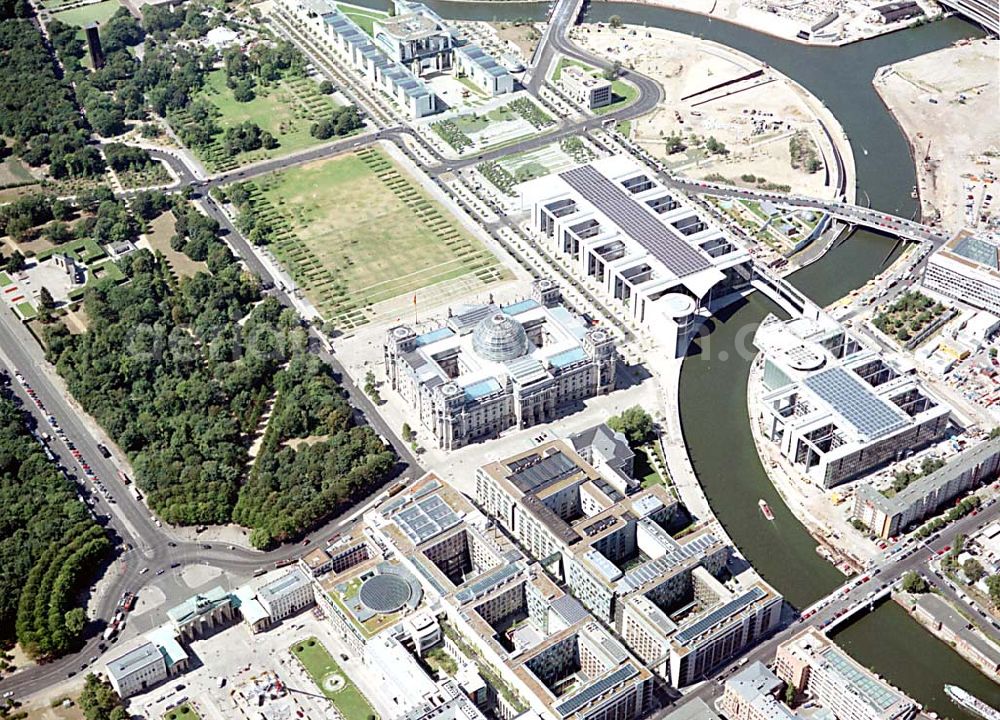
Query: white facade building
967	268
287	595
591	91
813	664
329	28
654	254
835	408
401	49
137	670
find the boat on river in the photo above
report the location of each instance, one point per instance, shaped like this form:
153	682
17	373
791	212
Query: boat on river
765	509
970	702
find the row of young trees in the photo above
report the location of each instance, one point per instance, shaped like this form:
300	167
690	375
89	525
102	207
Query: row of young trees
38	510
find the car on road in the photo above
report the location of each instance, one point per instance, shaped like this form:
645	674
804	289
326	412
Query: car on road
174	565
160	571
206	546
144	571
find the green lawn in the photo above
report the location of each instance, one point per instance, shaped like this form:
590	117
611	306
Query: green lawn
623	94
287	109
97	12
273	109
5	280
364	17
183	712
644	469
27	310
359	230
564	62
321	666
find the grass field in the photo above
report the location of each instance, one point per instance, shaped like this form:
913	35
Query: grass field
364	17
13	173
622	94
96	12
357	230
183	712
320	665
286	109
160	232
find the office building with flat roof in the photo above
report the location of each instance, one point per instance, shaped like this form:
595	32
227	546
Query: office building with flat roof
662	260
815	665
584	88
617	557
835	408
137	670
336	33
586	674
967	269
752	694
490	367
889	516
287	595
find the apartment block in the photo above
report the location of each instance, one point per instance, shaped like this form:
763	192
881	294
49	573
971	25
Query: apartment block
815	665
889	516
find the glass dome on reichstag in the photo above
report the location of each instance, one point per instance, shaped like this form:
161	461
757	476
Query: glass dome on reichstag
500	338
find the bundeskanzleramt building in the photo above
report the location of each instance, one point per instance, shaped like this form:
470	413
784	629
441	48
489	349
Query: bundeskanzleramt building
657	257
406	46
887	516
490	368
967	269
815	665
835	408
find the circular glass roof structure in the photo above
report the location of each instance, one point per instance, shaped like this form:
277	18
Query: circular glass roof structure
499	338
384	594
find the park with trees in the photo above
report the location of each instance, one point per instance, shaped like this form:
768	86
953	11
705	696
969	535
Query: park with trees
49	545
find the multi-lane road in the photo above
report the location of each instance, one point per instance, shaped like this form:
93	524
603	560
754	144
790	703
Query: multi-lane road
155	547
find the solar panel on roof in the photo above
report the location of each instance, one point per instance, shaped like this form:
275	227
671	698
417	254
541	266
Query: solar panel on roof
595	690
719	614
855	402
635	221
489	581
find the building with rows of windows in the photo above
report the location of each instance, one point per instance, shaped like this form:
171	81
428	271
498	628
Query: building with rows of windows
967	269
655	254
835	408
672	601
492	367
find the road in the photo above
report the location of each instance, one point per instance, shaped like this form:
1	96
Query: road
855	214
887	571
155	547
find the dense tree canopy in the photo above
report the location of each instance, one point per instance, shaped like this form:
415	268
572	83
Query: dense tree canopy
36	108
180	375
38	507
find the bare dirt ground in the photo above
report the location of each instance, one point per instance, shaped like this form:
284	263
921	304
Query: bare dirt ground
754	117
946	102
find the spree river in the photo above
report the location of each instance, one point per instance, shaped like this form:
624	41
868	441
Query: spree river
714	379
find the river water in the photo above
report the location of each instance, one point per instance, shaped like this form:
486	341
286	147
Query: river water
714	379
